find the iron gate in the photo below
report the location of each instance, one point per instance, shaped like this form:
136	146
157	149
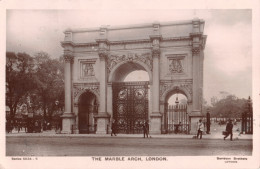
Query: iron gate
177	120
130	106
247	118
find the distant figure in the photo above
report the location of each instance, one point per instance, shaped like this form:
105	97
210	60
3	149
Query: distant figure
113	128
146	129
229	130
9	127
200	129
19	126
177	128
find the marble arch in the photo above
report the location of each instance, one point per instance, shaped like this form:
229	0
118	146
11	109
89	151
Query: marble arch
172	53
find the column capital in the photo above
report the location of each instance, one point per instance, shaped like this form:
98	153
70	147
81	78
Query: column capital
156	52
196	51
68	57
103	54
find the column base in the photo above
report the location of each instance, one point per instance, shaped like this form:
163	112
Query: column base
156	123
68	119
76	131
194	118
102	122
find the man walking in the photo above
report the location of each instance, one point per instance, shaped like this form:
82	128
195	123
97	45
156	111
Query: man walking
200	129
113	128
146	129
229	130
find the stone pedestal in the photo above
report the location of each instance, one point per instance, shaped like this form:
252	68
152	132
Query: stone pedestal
102	122
195	116
155	125
68	119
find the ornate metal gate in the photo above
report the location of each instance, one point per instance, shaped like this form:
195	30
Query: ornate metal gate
177	120
130	106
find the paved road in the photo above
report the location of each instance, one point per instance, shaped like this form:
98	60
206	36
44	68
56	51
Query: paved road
120	146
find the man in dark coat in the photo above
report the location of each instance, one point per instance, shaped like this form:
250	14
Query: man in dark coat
146	129
113	128
229	129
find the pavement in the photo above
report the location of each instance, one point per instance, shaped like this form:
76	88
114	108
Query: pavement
213	135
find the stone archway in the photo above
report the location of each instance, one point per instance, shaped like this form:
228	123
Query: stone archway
176	89
87	109
178	113
121	69
130	104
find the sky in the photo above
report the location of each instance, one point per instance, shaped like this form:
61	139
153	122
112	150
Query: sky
228	51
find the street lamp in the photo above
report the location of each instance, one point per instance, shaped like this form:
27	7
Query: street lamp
208	121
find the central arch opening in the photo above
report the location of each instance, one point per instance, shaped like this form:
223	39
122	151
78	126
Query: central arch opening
137	75
130	85
176	116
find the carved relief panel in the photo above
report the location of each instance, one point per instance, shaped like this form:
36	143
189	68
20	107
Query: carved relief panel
86	68
176	64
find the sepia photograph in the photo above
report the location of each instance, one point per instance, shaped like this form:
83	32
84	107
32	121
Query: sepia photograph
130	85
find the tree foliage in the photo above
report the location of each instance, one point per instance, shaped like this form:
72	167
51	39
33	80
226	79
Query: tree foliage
19	74
50	83
228	107
36	81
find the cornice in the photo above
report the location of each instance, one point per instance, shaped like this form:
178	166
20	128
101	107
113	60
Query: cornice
144	25
63	43
75	84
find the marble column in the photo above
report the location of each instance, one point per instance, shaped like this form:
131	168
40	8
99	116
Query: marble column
155	94
197	71
68	116
156	115
103	116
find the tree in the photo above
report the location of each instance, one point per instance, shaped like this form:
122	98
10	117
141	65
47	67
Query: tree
228	107
205	107
19	72
50	83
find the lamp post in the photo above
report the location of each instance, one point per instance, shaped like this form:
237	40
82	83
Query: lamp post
208	121
176	111
250	115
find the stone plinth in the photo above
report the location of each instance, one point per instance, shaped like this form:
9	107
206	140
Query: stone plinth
155	125
68	119
195	116
102	122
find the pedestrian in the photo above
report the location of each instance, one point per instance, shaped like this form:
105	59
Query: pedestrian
229	130
9	127
146	129
18	126
113	128
177	128
200	129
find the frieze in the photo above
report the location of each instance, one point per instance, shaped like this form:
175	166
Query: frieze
82	87
113	60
